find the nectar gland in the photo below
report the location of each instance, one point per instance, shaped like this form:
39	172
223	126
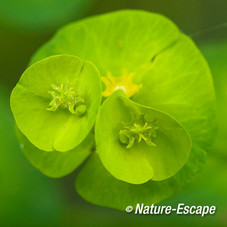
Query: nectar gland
123	82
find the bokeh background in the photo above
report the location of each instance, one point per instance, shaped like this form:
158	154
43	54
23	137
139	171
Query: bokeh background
27	198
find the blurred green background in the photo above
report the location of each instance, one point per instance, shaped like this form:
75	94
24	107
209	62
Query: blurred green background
27	198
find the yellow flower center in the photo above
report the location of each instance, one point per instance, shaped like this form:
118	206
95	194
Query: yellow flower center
123	82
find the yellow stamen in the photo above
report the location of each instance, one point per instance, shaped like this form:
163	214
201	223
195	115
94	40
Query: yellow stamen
123	82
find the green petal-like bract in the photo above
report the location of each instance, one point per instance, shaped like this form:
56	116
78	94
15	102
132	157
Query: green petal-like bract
142	162
55	164
96	185
180	83
60	129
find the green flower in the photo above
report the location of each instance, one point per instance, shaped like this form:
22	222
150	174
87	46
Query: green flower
156	121
159	156
56	102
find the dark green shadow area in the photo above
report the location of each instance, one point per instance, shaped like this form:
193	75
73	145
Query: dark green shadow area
27	197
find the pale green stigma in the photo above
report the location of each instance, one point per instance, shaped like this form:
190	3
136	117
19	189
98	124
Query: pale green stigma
137	131
67	98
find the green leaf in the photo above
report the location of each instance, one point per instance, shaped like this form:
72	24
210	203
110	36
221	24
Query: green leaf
156	156
96	185
114	42
55	164
46	99
180	83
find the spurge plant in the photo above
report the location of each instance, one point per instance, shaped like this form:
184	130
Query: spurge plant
125	91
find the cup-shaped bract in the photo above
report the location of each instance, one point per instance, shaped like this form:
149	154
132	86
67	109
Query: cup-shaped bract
56	101
55	164
158	145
